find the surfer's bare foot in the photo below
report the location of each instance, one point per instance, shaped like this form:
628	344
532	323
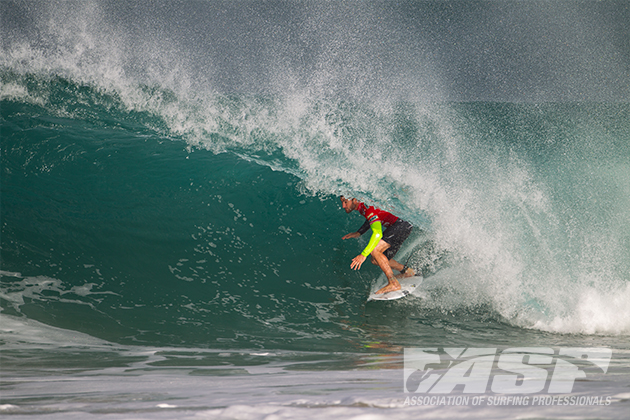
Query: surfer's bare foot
408	273
392	286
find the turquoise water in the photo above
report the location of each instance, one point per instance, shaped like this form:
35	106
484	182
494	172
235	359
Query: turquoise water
153	228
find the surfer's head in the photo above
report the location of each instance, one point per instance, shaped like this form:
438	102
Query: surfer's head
349	204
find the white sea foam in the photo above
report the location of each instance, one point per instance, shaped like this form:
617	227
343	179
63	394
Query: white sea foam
595	312
155	383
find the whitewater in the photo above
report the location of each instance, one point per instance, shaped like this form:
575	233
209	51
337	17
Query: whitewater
171	228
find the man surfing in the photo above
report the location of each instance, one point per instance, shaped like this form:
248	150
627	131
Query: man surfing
383	245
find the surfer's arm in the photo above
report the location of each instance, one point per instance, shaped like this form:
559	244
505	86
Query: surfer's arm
377	234
364	228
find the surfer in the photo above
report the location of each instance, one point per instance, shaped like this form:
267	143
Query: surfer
383	245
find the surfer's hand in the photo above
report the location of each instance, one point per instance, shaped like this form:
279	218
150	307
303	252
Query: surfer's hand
351	235
357	261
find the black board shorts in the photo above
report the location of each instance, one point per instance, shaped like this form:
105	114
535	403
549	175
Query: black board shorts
395	235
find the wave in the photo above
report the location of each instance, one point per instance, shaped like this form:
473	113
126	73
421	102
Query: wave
521	214
528	201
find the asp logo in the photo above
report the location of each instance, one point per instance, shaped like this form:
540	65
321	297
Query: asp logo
520	370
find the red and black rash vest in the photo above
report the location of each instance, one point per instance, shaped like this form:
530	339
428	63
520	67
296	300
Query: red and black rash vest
373	214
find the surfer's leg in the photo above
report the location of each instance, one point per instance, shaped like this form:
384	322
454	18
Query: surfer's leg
404	270
395	235
383	263
392	285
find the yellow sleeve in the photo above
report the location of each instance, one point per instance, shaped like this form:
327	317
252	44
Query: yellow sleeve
377	234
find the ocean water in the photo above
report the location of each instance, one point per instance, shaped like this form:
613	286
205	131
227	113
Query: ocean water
171	230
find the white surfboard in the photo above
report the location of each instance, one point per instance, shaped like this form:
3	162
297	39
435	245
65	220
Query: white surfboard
408	285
